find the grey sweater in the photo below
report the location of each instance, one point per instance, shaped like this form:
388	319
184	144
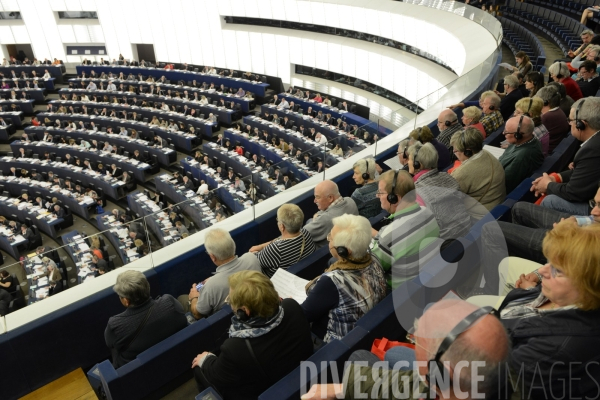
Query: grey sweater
320	226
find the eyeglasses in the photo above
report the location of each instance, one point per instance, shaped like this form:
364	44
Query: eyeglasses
593	203
378	193
555	272
329	237
508	133
569	120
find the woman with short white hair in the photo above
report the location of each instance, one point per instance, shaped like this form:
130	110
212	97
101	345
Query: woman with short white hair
559	72
351	286
294	244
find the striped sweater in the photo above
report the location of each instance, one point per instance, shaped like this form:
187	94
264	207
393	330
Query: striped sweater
410	240
283	253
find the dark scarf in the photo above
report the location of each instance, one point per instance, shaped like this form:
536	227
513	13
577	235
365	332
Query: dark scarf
255	326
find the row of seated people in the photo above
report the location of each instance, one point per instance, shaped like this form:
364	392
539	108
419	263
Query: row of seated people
392	196
316	97
334	123
11	228
184	67
119	110
276	143
132	101
149	85
73	189
273	172
26	85
209	197
13	95
33	75
167	94
34	63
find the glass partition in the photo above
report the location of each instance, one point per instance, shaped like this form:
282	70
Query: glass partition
264	157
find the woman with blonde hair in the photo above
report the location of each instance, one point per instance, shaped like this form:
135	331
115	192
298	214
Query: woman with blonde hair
268	338
470	118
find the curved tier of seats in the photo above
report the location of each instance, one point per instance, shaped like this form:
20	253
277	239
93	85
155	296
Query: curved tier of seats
518	38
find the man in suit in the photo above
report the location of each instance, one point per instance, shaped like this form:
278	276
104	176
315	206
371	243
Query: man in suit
278	176
59	211
21	153
126	178
58	181
99	264
308	162
208	161
137	156
287	123
221	103
187	182
345	106
287	183
222	174
27	233
114	171
69	160
230	176
262	162
177	177
580	184
299	155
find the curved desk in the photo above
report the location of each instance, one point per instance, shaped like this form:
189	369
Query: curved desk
46	224
277	156
56	71
25	105
39	95
140	171
247	104
205	127
226	116
181	140
165	156
19	84
109	228
175	75
15	118
109	185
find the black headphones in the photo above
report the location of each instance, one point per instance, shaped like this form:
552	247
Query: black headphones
518	135
559	75
466	152
579	124
366	175
392	198
448	123
435	365
241	315
416	163
547	102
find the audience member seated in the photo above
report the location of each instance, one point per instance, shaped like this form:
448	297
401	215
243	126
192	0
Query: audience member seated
532	107
409	230
331	204
55	281
523	154
448	125
553	118
351	286
364	197
451	333
513	94
294	244
144	323
490	105
7	282
471	117
438	191
589	81
570	191
553	325
268	338
210	297
424	135
559	72
480	174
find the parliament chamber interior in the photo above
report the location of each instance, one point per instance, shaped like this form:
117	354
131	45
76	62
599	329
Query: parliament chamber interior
242	199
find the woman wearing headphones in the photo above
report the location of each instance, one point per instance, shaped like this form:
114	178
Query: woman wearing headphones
480	174
351	286
534	81
364	197
268	338
559	72
470	118
438	191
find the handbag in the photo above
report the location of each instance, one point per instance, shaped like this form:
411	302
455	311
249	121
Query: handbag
380	346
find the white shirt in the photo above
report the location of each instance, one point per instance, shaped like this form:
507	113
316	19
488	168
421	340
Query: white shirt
46	75
111	86
92	86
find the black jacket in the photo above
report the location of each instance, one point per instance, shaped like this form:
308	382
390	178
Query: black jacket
235	373
556	353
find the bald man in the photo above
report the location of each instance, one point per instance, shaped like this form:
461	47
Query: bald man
479	338
524	153
330	204
448	126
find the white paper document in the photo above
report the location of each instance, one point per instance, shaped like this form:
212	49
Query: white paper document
495	151
289	285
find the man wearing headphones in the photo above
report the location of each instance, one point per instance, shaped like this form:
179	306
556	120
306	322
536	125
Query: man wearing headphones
449	332
553	117
571	190
448	125
410	229
524	153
